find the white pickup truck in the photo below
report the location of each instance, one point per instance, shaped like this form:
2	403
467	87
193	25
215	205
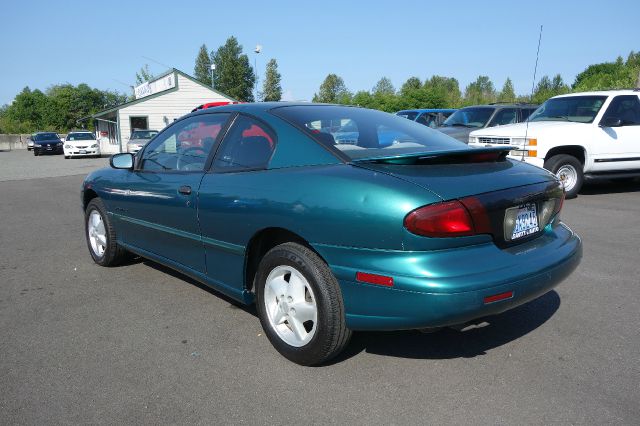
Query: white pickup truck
590	135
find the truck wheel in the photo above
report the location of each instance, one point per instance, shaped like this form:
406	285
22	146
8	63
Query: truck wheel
568	170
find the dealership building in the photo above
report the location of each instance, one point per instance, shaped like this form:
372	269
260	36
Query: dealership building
157	103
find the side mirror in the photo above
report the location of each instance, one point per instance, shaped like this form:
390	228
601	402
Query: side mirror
611	122
122	161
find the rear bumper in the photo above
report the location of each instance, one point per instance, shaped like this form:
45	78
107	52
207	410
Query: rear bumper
447	287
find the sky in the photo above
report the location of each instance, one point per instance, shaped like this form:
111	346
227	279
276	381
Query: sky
103	44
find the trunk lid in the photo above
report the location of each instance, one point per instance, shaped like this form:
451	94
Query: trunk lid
491	187
461	173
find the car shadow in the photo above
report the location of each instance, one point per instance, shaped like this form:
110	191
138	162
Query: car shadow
233	304
449	343
610	187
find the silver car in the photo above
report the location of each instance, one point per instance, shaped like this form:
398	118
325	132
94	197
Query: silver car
138	139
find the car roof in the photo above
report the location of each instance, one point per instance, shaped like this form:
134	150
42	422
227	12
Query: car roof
602	93
428	110
259	107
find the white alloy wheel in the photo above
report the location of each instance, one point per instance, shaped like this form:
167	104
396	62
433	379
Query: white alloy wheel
290	305
568	176
97	233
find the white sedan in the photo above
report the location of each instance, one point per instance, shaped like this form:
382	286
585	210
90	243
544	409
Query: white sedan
81	144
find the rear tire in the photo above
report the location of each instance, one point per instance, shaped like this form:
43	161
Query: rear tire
101	235
35	153
569	170
300	305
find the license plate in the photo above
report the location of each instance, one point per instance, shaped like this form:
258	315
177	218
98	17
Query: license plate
82	151
520	222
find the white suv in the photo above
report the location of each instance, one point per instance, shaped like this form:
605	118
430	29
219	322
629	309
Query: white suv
590	135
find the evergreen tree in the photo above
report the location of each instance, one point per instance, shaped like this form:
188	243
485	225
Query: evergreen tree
480	92
202	69
271	89
143	75
332	90
507	94
384	87
233	74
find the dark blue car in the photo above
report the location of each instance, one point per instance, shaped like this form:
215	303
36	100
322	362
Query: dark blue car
327	238
47	143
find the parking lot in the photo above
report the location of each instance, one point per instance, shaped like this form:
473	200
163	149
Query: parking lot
141	344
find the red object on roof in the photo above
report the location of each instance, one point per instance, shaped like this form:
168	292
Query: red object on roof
213	105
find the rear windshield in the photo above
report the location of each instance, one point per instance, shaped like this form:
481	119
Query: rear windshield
46	137
362	133
143	134
80	137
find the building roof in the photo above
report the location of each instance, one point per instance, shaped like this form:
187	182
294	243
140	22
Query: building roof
164	92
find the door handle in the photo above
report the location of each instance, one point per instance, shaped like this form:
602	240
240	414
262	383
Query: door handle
185	190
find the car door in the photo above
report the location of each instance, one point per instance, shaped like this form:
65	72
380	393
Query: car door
618	147
158	211
228	205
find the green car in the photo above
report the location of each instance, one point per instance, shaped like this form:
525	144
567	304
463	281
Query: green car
260	203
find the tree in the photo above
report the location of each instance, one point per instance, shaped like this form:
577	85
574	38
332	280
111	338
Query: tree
609	75
442	92
233	74
202	69
412	84
547	88
271	89
384	87
507	94
480	91
331	90
143	75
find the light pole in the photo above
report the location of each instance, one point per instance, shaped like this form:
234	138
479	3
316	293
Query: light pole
213	67
257	50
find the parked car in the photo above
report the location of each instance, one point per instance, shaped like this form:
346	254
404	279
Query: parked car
47	143
329	238
214	104
429	117
138	139
30	142
81	144
578	137
468	119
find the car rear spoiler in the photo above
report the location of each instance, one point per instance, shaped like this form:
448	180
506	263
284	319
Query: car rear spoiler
469	155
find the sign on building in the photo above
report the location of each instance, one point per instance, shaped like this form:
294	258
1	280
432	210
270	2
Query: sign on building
160	85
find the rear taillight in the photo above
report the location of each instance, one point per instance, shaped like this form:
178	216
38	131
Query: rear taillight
448	219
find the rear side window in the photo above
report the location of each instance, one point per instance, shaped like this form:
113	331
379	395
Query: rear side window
248	145
626	108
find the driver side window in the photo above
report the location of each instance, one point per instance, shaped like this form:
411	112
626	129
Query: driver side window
185	146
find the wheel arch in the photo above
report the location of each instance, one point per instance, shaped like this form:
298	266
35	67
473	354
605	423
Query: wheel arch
577	151
88	195
263	241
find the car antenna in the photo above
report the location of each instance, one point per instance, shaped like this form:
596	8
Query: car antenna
533	85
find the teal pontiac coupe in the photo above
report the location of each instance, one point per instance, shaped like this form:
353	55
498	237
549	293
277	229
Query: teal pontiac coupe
259	202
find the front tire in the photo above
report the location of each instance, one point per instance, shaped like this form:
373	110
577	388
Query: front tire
300	305
101	235
569	170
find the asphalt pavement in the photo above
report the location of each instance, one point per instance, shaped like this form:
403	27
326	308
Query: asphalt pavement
140	344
